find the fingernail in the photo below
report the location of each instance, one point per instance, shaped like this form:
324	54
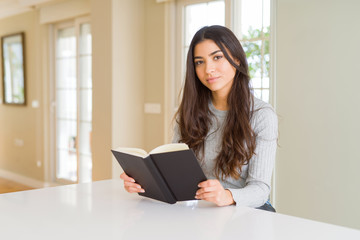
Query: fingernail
132	180
142	190
138	186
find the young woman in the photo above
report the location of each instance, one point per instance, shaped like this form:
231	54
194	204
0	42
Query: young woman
233	134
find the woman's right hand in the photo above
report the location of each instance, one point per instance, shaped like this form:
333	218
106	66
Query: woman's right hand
130	185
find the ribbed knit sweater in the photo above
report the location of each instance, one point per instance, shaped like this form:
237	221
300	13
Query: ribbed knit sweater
252	189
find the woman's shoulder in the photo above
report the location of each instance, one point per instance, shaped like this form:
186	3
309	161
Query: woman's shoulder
262	108
260	104
264	118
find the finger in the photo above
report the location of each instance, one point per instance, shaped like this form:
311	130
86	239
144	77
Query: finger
131	184
208	183
211	189
134	190
209	192
207	196
206	189
125	177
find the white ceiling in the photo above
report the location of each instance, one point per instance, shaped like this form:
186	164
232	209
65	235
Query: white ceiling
10	8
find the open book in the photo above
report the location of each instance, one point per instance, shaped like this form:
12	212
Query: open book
169	173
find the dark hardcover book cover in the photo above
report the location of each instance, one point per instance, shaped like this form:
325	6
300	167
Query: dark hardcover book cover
181	171
167	176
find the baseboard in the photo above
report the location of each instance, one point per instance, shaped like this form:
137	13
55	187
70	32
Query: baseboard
15	177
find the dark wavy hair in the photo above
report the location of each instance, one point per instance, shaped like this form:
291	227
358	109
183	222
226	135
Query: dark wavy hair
194	117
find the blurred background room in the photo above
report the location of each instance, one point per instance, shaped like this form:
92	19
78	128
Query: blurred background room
79	77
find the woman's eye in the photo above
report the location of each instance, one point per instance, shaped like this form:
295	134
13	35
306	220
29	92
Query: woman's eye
198	63
217	57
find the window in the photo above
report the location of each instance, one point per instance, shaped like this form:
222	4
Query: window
73	101
195	16
249	20
253	29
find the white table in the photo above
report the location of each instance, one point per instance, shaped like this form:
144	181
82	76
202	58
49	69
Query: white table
103	210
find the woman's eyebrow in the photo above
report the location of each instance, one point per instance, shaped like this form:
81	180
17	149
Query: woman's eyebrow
213	53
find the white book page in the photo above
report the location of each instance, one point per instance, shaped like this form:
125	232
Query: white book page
171	147
132	151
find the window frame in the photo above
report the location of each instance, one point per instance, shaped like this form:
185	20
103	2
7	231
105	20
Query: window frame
76	23
232	21
238	32
173	12
180	36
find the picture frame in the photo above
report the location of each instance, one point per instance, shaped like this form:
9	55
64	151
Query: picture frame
13	68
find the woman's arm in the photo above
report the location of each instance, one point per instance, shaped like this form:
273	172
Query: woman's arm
261	165
258	182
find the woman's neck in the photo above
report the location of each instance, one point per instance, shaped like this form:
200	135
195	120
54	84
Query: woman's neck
220	102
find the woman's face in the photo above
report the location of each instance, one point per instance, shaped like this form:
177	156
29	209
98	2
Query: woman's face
212	68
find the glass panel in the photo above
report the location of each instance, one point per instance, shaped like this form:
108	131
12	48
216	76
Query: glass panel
203	14
85	39
266	82
86	105
66	43
66	73
66	135
195	18
85	135
266	58
66	165
66	103
69	145
85	160
66	150
216	13
265	95
253	54
85	170
256	82
85	72
266	15
85	173
66	100
251	18
257	93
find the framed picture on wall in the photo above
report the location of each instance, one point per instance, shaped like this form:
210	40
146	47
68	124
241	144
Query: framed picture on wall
13	68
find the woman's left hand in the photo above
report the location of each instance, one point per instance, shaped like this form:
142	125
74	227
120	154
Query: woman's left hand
212	191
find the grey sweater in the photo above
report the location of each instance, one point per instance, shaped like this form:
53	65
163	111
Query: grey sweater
252	189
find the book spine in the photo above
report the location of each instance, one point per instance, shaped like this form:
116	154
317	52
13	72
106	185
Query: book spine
169	196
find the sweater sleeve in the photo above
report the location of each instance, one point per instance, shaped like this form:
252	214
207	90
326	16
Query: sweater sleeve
258	182
176	136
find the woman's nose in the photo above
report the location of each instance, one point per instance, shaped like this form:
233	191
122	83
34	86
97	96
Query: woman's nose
210	68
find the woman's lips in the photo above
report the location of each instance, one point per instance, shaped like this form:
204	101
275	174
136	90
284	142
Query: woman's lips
211	79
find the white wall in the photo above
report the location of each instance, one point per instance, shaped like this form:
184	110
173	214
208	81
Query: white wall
154	72
128	75
101	30
24	123
318	98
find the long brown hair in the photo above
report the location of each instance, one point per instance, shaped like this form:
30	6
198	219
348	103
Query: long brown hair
193	116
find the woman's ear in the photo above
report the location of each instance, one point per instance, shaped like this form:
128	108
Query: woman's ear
237	61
